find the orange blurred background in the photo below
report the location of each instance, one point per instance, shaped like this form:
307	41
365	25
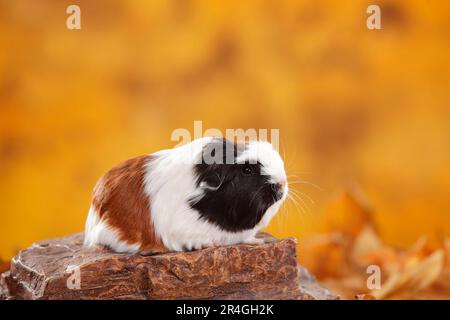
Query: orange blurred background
354	107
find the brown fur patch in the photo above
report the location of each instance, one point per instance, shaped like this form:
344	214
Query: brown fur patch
119	199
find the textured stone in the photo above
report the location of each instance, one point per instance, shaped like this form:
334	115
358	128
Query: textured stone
267	271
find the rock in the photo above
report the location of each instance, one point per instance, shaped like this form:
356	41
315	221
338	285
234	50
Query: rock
63	269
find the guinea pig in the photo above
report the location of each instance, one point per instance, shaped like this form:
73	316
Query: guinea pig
209	192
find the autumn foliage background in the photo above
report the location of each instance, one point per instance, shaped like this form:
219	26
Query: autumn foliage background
363	118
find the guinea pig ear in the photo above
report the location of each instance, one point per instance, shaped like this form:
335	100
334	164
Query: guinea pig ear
210	176
211	181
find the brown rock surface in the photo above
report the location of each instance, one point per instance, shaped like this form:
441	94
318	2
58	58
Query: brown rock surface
50	269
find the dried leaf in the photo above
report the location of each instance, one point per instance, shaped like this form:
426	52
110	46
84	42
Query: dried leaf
325	255
368	249
367	241
349	213
413	278
365	296
417	252
447	251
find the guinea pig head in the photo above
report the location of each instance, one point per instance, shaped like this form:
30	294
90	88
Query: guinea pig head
242	185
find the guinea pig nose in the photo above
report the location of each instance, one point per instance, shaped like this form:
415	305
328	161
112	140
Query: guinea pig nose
280	184
275	186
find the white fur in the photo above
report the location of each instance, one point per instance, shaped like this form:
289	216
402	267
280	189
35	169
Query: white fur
99	232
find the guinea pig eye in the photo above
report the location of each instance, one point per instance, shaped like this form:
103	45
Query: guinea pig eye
247	170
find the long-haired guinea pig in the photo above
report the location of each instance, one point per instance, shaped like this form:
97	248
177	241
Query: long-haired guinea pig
209	192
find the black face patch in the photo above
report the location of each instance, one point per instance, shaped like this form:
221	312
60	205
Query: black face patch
237	194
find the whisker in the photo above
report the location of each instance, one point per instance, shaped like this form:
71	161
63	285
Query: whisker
296	203
306	182
299	209
301	200
304	194
298	173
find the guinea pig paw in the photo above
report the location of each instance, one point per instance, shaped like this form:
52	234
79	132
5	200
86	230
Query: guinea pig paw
150	253
254	240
